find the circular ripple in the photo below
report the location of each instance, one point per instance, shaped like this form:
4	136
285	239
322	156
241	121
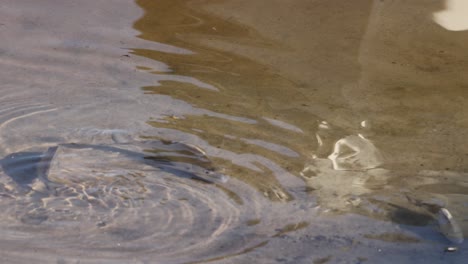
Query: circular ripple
174	219
155	212
150	213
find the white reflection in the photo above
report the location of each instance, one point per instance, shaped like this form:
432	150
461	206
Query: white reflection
454	17
355	152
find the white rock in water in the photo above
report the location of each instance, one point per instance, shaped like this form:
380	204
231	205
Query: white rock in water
355	152
449	227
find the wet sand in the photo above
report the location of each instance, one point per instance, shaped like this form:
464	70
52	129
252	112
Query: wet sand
340	125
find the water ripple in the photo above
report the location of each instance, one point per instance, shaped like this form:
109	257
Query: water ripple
120	202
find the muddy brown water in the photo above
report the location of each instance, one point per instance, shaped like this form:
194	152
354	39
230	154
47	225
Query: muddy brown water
233	131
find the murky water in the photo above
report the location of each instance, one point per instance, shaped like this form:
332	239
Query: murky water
233	131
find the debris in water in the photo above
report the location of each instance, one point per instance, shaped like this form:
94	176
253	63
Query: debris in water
450	249
449	227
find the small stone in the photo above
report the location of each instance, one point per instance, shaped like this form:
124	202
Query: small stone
450	249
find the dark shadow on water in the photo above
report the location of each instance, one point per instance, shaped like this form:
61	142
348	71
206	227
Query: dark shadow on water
22	167
423	224
405	216
26	167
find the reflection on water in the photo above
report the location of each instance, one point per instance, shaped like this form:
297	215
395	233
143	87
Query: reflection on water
246	89
233	131
409	87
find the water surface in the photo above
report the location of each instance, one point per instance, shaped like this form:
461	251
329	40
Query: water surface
232	132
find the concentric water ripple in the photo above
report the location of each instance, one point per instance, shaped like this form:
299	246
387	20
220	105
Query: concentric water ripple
141	207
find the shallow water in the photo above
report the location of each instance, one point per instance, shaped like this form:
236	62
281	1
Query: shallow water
233	132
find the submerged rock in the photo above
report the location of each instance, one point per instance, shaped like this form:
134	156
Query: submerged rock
78	162
69	164
69	179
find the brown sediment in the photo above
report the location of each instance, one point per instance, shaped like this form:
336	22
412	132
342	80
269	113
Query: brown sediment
246	88
360	62
231	194
290	228
253	222
322	260
393	237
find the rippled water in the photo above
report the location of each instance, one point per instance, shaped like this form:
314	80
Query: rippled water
233	131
